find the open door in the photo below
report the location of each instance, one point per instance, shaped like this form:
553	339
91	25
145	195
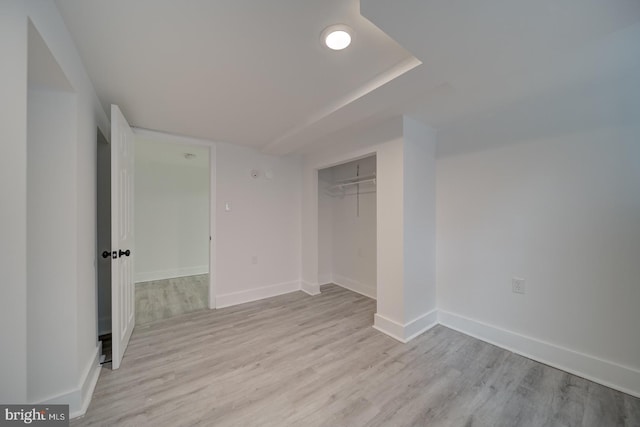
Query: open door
122	250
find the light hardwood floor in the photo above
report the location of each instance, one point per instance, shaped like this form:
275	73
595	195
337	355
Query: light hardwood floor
297	360
162	299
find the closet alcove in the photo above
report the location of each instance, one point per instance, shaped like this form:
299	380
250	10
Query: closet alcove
347	226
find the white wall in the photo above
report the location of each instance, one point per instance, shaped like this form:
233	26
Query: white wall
171	210
347	240
82	252
419	221
561	211
390	201
51	234
325	227
258	240
13	213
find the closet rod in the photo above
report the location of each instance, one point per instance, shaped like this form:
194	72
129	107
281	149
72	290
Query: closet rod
341	186
355	178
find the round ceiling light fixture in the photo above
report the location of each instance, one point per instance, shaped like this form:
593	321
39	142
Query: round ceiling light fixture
337	37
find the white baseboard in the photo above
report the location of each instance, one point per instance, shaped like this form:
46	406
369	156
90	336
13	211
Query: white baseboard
355	286
235	298
324	279
421	324
90	379
148	276
389	327
310	288
79	398
408	331
613	375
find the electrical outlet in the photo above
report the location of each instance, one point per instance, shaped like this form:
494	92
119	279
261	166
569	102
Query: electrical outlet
517	285
254	259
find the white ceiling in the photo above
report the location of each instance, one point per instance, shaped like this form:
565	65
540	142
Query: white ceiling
245	72
495	51
152	150
254	72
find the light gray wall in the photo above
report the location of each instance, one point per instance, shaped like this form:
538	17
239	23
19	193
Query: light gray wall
13	187
389	231
346	238
325	227
171	211
354	230
553	198
81	260
51	236
264	222
419	220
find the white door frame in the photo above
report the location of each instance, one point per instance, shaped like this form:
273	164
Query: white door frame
184	140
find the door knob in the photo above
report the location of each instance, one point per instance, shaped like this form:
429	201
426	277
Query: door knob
125	253
106	254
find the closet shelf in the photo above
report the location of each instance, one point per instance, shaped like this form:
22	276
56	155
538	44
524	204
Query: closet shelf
341	185
355	179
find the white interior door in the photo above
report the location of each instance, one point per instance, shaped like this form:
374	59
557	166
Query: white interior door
122	251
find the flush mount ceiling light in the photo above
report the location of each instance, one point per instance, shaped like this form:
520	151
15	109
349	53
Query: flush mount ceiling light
337	37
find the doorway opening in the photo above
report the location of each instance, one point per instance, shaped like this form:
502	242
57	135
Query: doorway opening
172	221
103	239
171	205
347	222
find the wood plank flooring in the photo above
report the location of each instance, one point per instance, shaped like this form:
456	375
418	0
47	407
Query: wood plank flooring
162	299
297	360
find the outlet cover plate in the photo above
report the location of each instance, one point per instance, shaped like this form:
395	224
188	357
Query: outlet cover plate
517	285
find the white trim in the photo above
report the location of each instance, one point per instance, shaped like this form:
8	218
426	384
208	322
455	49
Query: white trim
79	398
623	378
355	286
213	168
408	331
389	327
324	279
420	324
310	288
92	373
186	140
255	294
170	274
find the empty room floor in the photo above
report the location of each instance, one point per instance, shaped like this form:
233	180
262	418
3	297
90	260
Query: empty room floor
297	360
162	299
